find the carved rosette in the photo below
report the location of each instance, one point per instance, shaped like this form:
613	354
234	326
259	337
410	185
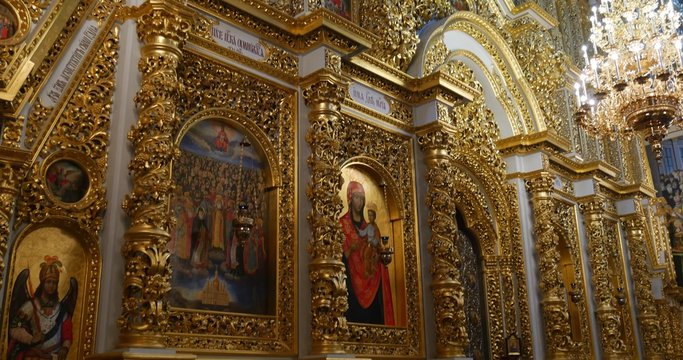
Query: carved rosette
649	322
162	28
613	345
329	297
447	288
557	330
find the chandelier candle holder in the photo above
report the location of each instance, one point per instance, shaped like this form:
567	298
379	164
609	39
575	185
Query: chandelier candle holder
632	78
386	253
242	223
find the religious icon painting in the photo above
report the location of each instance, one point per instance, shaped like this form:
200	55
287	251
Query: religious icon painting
220	178
375	283
67	181
8	22
339	7
54	296
460	5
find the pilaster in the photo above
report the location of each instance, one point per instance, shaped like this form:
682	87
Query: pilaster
162	29
554	303
649	323
613	345
323	92
447	289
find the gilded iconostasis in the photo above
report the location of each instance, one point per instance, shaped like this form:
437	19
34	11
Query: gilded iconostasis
312	179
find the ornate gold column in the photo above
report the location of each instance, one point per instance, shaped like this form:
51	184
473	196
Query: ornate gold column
613	346
447	290
557	328
323	93
162	28
650	327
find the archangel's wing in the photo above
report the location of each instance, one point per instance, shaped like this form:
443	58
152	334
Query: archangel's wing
69	300
20	292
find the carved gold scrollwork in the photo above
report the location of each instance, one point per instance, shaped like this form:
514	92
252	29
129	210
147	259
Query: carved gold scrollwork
326	271
558	342
162	28
11	131
613	345
9	188
447	289
649	323
395	24
543	66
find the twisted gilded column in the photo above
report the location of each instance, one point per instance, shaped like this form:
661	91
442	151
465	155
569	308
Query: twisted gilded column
557	328
162	28
613	346
323	95
447	289
650	327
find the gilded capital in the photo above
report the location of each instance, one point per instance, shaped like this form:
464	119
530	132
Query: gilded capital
164	22
328	91
436	142
541	185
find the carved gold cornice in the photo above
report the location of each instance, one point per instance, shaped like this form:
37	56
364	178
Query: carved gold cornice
520	144
299	34
554	149
438	84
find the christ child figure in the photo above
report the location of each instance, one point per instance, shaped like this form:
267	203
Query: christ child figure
371	250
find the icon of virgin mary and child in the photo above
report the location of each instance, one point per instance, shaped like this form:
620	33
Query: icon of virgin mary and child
367	279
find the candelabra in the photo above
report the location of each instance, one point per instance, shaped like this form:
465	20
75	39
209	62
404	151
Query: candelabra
633	69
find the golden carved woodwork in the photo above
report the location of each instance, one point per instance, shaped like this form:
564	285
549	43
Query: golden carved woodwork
326	271
458	147
611	334
447	289
557	330
266	112
377	148
81	136
9	189
617	270
647	313
335	140
162	28
272	133
543	66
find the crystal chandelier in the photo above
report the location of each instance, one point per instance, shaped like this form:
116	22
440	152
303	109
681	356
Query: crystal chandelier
632	81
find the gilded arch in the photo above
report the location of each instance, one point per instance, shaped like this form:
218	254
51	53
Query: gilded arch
488	46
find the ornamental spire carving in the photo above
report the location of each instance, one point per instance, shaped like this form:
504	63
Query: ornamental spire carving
162	28
650	326
557	328
447	289
613	345
329	297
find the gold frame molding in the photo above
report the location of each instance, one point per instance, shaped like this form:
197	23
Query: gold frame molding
223	332
86	164
373	147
